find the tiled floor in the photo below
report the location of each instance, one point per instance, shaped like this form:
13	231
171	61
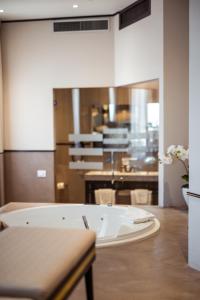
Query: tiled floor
154	269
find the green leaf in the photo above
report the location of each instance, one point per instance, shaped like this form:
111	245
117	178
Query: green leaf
185	177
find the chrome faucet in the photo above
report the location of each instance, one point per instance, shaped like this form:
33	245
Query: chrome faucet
112	164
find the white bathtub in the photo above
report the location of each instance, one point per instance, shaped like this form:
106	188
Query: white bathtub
112	224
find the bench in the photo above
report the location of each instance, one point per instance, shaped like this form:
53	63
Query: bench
45	263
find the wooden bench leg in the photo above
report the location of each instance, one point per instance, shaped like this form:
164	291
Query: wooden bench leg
89	284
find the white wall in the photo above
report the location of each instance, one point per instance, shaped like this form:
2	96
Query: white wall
194	96
36	60
139	48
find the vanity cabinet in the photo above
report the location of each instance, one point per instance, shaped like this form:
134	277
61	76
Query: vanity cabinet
100	180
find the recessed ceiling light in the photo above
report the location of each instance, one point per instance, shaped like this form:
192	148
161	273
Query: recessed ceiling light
75	5
1	10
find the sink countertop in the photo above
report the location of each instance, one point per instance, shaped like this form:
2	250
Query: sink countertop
123	176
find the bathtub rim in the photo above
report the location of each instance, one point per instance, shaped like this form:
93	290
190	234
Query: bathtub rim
139	235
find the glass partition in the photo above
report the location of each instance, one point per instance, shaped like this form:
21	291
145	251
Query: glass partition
105	129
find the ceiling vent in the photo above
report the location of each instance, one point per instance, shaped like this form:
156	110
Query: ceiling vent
135	12
81	25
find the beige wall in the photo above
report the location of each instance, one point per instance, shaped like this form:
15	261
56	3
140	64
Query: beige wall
176	110
1	180
1	133
21	183
1	100
36	60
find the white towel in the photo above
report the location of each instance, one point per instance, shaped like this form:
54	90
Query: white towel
138	215
141	196
105	196
143	220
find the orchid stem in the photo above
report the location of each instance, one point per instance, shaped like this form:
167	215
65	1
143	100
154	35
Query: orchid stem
184	165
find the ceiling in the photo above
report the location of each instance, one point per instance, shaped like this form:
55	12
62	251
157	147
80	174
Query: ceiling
38	9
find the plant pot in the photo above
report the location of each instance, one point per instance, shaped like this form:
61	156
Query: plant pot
184	193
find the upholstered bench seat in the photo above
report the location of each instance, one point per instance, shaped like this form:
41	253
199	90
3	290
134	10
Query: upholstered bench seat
42	263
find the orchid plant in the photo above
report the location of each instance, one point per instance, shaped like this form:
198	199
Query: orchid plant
177	152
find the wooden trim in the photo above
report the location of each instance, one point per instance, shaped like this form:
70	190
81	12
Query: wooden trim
72	281
65	144
68	284
193	195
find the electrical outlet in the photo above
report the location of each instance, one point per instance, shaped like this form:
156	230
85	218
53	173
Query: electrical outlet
41	173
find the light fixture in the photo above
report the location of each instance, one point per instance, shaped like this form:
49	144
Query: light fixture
75	5
1	10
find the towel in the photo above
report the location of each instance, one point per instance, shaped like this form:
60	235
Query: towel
143	220
138	216
105	196
141	196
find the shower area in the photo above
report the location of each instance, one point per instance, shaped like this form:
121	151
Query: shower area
107	141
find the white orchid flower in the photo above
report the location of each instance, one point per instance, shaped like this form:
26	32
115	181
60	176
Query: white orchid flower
171	149
183	155
177	153
167	160
179	150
